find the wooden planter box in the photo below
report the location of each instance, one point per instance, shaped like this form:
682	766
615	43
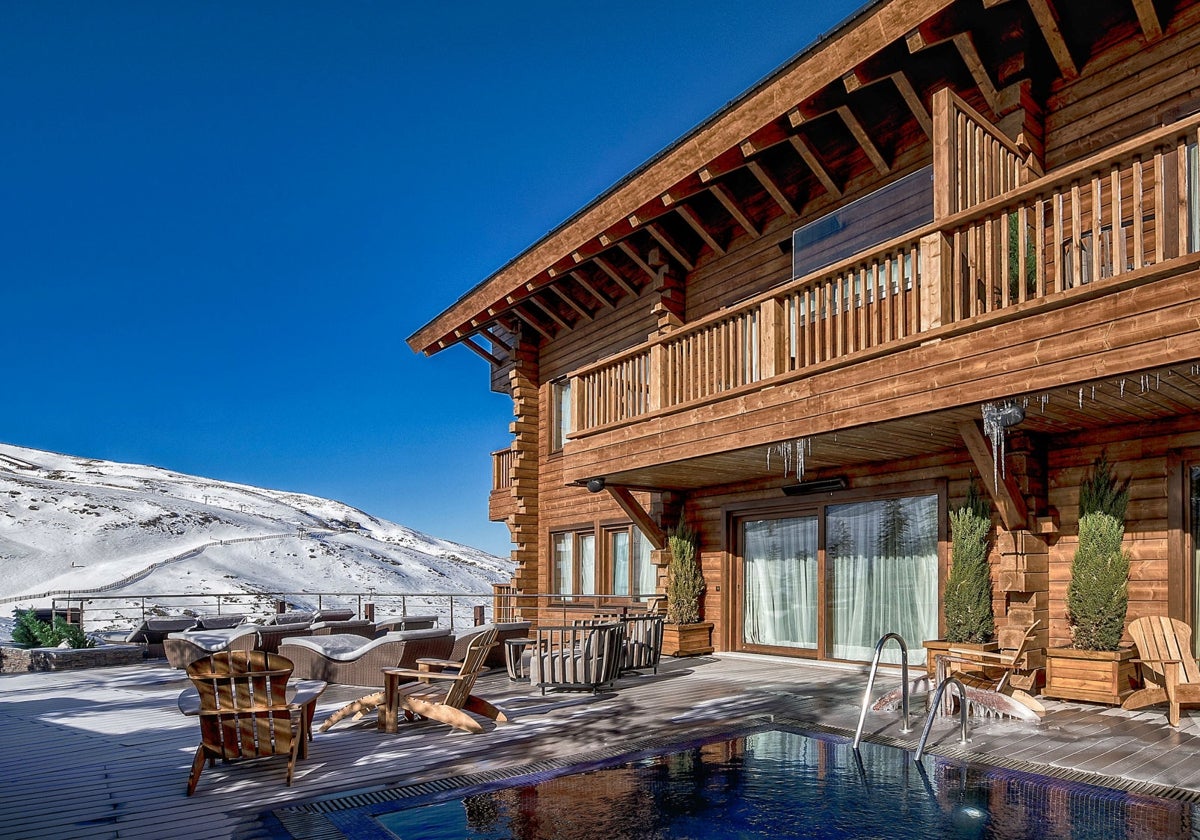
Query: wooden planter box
935	646
1094	676
687	639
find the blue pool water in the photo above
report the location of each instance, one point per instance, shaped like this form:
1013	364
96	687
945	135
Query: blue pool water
776	784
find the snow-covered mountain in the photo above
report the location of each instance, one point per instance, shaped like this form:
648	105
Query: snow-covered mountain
70	524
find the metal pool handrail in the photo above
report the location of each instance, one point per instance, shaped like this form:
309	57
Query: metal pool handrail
933	710
862	715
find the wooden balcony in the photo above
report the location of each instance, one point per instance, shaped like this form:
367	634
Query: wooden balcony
501	502
1084	273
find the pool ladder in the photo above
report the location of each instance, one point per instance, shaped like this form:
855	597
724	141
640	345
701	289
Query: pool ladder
904	704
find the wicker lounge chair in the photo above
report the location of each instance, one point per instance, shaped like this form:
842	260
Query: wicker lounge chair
347	659
182	649
356	626
220	621
153	631
579	656
270	636
495	655
1164	647
394	624
244	710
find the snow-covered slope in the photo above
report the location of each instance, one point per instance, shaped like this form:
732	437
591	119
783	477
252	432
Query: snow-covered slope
76	524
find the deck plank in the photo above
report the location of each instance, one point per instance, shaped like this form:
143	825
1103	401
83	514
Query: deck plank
105	753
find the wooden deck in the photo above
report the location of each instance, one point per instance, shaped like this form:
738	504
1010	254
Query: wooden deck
104	753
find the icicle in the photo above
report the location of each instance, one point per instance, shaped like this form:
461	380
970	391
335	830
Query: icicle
1122	389
1081	398
793	453
1093	393
997	417
1044	399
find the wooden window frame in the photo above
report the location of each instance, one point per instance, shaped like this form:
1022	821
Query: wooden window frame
1180	551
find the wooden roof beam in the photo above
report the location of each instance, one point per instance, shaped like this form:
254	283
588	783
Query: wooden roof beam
722	195
592	289
859	78
809	156
917	40
689	215
616	276
570	301
1047	21
864	140
655	276
1148	18
483	354
1007	496
549	312
531	322
497	340
644	521
772	188
671	248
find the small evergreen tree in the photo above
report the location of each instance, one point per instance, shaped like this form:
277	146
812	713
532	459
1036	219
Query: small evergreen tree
969	616
685	583
1098	595
30	631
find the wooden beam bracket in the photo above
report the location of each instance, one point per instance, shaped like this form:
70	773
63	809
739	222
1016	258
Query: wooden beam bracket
639	515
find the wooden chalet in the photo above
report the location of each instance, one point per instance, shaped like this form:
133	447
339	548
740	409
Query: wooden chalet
788	327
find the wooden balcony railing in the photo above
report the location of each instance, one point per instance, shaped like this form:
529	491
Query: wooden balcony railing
502	461
1133	206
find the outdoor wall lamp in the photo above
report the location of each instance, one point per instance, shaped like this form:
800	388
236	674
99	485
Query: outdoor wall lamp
595	485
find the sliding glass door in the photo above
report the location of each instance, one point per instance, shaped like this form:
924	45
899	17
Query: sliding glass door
833	578
779	605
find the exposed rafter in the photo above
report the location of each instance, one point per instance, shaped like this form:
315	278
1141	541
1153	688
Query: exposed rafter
1148	18
616	276
858	79
639	262
549	312
689	215
671	248
917	41
772	188
497	340
591	288
1047	20
570	301
814	163
531	322
483	354
864	140
722	195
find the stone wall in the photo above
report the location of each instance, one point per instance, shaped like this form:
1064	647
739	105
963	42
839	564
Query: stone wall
15	660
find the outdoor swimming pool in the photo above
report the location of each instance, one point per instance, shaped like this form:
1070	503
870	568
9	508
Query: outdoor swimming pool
771	784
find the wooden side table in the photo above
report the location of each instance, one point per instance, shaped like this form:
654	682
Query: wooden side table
514	657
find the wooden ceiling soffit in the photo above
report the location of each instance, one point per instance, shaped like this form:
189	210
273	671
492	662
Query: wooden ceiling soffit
639	515
1148	18
1007	497
722	195
670	247
1048	22
589	287
689	215
616	276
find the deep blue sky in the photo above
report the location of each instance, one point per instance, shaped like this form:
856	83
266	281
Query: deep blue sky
222	219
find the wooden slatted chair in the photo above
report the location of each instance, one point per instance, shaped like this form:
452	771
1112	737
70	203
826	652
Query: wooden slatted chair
1169	669
442	690
986	678
244	710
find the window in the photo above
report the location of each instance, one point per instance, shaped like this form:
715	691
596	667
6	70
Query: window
574	563
629	558
560	422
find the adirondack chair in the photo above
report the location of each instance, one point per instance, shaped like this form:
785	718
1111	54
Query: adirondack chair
244	710
438	694
988	687
438	689
1164	647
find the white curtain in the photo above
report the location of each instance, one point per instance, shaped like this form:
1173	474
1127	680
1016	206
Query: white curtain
780	582
564	563
645	576
587	564
620	562
883	561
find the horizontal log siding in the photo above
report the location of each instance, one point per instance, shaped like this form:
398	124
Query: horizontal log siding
1132	88
1138	452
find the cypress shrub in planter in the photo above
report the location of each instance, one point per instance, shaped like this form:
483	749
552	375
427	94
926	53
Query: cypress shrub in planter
683	632
970	621
1096	667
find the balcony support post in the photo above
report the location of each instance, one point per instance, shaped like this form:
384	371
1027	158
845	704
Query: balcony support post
773	339
659	396
936	280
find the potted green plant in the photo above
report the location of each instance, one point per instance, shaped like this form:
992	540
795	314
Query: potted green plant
1096	668
970	621
684	634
